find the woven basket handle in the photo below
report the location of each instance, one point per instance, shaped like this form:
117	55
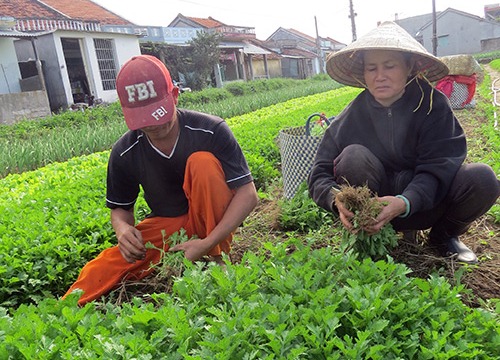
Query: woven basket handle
322	121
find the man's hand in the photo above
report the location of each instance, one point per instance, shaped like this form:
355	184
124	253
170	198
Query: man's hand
131	244
193	249
130	240
394	207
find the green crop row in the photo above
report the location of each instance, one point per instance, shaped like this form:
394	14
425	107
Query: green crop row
54	218
305	304
28	145
294	302
53	221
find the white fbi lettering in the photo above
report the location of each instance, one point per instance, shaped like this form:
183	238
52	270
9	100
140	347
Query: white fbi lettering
159	113
141	91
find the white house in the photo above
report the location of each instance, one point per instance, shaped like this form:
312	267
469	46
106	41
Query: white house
79	66
65	49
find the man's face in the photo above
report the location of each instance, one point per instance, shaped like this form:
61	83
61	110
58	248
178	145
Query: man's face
386	73
156	132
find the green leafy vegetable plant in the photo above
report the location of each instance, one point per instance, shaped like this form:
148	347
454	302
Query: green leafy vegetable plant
171	263
366	207
301	213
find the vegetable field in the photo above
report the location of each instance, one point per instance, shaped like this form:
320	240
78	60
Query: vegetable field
288	292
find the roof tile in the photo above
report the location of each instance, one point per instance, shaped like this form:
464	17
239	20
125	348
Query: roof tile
83	10
206	22
27	9
87	10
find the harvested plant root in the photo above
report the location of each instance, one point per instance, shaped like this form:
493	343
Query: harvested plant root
362	202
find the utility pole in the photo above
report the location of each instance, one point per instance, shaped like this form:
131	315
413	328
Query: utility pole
434	29
318	47
353	22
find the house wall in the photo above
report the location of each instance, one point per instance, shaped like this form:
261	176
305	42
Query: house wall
47	53
25	105
490	30
459	34
413	24
273	66
125	46
50	51
178	35
286	38
488	45
9	69
291	68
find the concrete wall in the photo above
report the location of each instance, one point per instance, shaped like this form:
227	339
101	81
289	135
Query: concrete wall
126	46
32	83
20	106
488	45
9	69
50	51
457	33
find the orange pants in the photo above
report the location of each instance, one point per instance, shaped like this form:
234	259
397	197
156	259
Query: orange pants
208	197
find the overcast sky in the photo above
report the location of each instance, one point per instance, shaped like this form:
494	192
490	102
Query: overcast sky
266	16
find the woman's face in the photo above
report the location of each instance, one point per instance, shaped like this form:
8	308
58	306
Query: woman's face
386	73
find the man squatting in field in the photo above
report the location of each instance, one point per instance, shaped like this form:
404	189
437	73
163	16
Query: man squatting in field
193	173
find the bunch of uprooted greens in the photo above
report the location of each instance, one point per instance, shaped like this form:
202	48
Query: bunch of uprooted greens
362	202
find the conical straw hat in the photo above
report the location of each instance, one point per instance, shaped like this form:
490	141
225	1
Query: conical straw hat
346	65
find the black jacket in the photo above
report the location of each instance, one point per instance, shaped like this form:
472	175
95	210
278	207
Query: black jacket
403	136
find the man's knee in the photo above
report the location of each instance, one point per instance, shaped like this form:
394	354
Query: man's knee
201	157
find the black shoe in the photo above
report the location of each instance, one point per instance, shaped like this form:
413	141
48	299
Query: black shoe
454	247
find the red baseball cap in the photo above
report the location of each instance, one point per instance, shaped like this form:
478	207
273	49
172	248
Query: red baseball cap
145	90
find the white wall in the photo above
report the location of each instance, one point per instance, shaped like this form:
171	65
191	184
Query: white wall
126	46
9	69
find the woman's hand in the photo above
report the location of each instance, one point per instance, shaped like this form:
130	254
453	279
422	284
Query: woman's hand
344	215
393	207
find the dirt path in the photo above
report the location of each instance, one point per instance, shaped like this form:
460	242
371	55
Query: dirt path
484	236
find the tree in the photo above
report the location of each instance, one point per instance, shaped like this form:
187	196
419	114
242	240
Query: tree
195	61
205	55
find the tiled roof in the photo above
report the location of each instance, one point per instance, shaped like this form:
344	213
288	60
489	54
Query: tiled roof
295	52
86	10
83	10
208	23
301	34
28	9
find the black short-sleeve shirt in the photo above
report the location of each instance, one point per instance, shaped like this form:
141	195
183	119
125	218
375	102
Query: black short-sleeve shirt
135	163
